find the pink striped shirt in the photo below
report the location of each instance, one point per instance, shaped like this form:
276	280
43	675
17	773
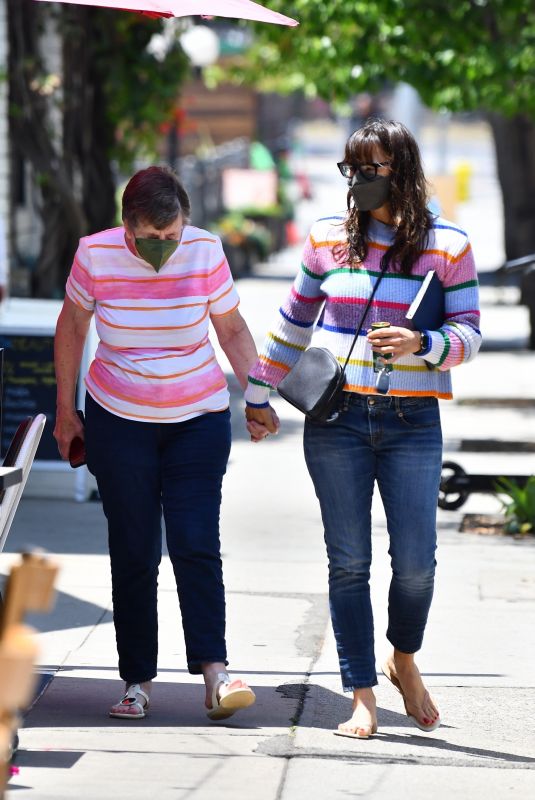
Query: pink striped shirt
154	361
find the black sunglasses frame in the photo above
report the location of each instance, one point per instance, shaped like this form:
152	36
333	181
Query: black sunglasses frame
358	168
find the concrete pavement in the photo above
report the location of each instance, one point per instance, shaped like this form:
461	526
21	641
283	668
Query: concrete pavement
478	652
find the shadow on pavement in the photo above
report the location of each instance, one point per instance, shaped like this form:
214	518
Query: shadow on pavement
50	759
74	702
339	708
58	526
449	748
83	703
69	612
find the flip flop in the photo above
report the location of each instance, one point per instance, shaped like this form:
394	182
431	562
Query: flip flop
130	701
373	730
242	696
395	682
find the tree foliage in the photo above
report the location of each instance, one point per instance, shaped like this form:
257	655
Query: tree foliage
466	55
85	94
140	92
462	55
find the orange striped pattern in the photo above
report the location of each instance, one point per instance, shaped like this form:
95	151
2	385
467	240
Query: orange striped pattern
351	387
154	360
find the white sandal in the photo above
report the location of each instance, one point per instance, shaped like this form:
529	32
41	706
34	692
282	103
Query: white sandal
235	699
132	708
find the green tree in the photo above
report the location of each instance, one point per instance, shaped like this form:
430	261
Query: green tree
464	55
105	106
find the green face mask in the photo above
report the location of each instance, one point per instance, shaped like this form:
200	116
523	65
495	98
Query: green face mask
156	251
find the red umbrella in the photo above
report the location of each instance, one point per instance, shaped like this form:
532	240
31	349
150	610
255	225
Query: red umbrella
240	9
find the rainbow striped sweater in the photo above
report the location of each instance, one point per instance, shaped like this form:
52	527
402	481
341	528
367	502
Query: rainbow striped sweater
327	298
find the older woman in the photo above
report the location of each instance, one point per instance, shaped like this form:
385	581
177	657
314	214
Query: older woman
157	430
387	433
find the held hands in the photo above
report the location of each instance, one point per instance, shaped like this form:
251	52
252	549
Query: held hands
396	341
261	422
68	426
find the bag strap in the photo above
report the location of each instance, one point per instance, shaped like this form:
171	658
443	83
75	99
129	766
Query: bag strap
384	268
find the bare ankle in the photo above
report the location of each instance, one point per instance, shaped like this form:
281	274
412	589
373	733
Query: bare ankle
403	661
211	671
146	686
364	695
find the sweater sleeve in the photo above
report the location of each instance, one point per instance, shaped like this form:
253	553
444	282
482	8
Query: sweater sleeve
292	331
459	338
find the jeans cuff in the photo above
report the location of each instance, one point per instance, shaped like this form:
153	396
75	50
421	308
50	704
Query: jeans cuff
408	647
351	688
194	667
137	679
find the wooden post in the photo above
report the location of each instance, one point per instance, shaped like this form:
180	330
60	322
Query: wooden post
30	587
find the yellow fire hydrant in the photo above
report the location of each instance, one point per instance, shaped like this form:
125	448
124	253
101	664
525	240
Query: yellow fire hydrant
463	173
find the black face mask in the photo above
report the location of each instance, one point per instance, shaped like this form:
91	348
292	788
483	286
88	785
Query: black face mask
369	194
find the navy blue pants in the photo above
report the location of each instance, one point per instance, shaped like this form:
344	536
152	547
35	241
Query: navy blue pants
144	469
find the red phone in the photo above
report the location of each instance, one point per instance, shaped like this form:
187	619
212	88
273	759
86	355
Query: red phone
77	448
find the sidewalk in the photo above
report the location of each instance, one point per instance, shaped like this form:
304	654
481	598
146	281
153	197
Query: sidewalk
477	657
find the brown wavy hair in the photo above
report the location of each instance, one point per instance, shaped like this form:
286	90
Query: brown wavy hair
408	195
156	196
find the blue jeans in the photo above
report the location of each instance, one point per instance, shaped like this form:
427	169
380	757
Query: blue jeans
144	469
396	441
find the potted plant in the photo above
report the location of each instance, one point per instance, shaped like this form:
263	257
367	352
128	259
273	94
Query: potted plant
245	241
519	505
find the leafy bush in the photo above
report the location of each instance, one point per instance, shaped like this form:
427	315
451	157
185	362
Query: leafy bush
519	507
238	230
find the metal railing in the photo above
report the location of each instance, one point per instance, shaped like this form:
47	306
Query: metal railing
203	178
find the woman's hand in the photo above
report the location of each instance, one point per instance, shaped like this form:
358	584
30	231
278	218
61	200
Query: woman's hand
395	341
261	422
68	426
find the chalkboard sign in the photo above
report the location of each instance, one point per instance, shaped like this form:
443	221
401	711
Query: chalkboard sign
29	388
